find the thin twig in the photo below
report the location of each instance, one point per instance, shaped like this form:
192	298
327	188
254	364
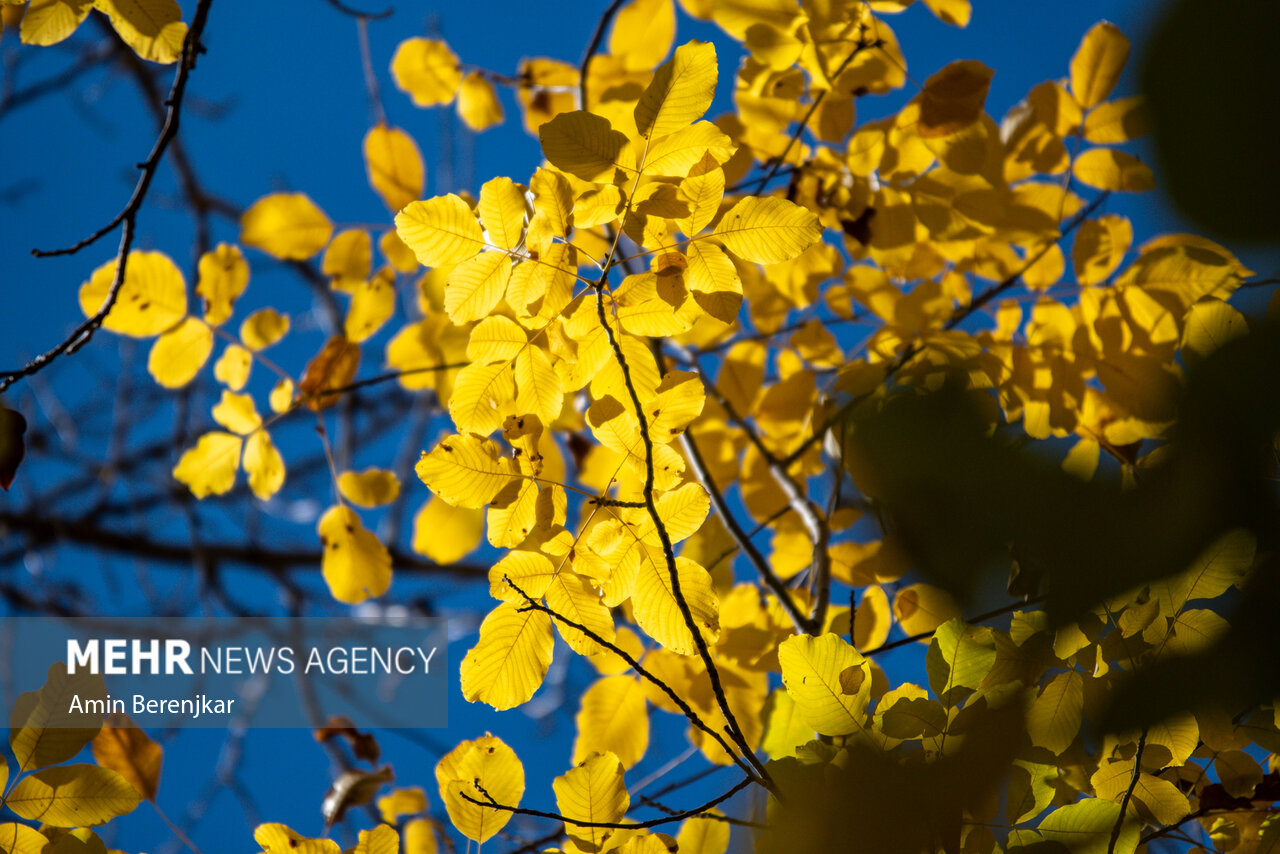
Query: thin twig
366	63
383	378
981	618
617	825
43	528
356	13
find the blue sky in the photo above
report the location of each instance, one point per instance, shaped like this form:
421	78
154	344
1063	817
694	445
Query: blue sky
279	103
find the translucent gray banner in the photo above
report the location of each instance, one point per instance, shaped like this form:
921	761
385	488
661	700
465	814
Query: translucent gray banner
225	672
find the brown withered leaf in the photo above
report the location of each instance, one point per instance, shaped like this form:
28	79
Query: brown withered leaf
332	368
353	789
12	447
363	744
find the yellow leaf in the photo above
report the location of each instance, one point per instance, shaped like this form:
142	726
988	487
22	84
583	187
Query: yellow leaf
394	165
1238	772
714	281
281	397
286	225
445	533
349	259
210	467
152	298
593	792
550	89
427	70
223	277
1099	248
398	255
1054	716
402	802
419	837
478	104
263	328
179	354
598	206
73	796
954	12
643	32
50	21
372	304
703	190
465	471
153	28
538	388
613	719
237	413
508	663
512	514
553	201
655	607
1209	325
584	144
264	465
16	838
1108	169
768	230
232	367
369	488
380	840
532	572
1085	827
128	751
829	681
681	91
921	608
953	98
496	339
680	400
1115	121
707	833
674	156
784	730
43	730
440	231
1097	63
492	764
502	212
872	619
481	398
574	596
279	839
356	564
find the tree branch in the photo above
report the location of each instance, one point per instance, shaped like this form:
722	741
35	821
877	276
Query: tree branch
635	665
191	49
44	528
618	825
668	550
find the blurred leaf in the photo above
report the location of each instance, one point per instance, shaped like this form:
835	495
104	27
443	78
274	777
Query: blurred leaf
1214	116
12	448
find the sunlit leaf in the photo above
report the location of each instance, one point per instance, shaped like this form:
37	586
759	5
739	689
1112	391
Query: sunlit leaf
356	565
